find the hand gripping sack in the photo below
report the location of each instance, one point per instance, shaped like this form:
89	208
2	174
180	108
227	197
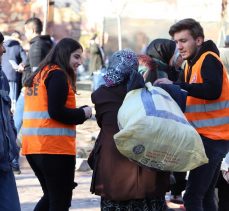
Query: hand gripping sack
155	133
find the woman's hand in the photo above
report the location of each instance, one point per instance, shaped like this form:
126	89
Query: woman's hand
87	111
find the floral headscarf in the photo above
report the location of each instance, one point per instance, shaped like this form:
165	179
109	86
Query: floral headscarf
123	66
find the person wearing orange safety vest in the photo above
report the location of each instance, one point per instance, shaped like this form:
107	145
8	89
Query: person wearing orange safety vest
207	108
49	119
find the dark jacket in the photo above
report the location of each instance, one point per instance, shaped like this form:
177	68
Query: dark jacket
39	48
115	177
15	52
211	71
8	148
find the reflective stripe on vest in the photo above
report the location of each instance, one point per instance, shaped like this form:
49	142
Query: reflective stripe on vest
44	131
36	115
209	117
210	122
207	107
48	132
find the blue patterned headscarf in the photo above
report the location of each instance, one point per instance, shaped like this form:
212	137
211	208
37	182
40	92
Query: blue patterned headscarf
123	66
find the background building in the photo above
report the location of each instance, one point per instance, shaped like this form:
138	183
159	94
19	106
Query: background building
120	23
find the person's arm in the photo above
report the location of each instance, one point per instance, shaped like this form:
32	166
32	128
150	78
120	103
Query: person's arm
22	54
57	91
5	86
12	124
26	72
212	74
23	57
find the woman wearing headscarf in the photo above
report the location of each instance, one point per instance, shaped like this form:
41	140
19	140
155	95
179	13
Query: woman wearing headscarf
169	62
121	183
164	53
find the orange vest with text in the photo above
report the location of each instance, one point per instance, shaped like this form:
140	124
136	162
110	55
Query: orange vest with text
40	133
209	117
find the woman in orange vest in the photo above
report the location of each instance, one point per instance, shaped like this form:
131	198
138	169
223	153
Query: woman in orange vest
49	120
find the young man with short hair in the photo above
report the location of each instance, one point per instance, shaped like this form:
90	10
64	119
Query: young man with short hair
40	45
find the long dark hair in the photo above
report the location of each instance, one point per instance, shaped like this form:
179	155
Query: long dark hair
59	55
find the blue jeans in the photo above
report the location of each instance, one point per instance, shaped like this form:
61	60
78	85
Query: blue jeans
199	194
9	200
18	119
18	114
13	93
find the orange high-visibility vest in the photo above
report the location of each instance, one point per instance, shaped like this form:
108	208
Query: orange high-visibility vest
40	133
209	117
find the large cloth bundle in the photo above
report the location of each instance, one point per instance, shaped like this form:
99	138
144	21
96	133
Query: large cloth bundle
155	133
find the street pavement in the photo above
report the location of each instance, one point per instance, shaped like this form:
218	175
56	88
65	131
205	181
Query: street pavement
28	186
30	191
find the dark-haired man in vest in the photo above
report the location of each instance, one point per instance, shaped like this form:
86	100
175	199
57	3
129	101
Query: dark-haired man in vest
207	108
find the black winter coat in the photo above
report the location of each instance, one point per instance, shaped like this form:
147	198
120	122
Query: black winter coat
39	48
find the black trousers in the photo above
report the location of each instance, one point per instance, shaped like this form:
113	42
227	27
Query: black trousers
223	193
180	184
56	176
